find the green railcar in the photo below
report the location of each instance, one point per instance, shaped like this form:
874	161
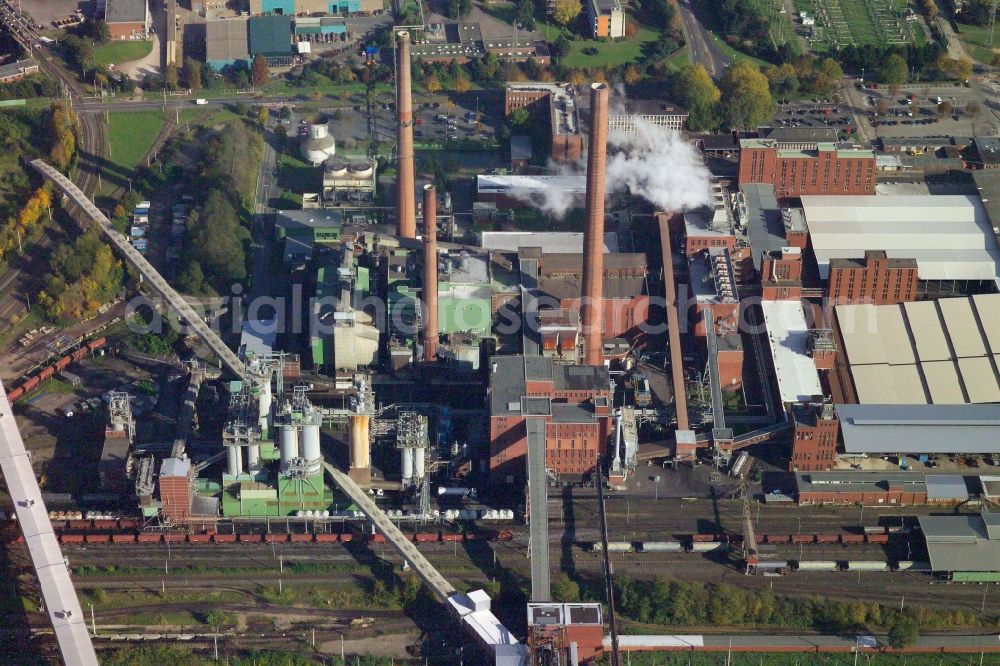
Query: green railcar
976	576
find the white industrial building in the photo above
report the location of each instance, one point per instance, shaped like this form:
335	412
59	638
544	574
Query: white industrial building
949	236
317	145
927	352
788	338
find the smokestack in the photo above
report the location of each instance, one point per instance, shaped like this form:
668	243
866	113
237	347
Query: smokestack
430	274
592	305
405	204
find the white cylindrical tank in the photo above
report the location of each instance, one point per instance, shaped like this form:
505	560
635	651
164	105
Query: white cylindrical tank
866	565
419	455
264	406
406	463
360	452
318	145
235	461
253	457
816	565
288	445
310	442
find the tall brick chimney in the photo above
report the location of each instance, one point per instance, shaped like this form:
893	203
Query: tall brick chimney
592	303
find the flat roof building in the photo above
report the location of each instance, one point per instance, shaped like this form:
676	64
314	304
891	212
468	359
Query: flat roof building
829	168
949	236
964	543
916	429
925	352
271	37
880	488
788	337
127	19
15	71
546	241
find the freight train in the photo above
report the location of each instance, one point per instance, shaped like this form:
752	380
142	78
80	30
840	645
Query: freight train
46	373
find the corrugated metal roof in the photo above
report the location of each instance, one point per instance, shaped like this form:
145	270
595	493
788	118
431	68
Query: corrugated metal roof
913	428
963	330
980	379
927	333
946	487
881	383
959	543
270	35
942	382
987	306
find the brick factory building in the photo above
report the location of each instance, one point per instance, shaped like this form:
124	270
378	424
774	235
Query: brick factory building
558	103
875	279
574	401
830	169
814	439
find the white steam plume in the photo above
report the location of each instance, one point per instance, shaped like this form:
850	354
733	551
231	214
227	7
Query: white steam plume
654	162
657	164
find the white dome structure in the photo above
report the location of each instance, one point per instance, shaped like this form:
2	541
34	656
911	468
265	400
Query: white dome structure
317	145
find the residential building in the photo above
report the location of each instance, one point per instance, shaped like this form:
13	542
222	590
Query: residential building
15	71
127	19
814	437
605	18
573	400
874	279
830	169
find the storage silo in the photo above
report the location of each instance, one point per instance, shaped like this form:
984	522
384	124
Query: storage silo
288	445
310	444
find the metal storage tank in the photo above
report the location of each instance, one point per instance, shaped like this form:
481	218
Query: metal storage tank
406	463
360	170
661	547
418	463
253	457
318	145
817	565
310	443
288	445
235	461
360	452
707	546
857	565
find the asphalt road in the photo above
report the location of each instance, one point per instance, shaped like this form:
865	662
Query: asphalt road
703	50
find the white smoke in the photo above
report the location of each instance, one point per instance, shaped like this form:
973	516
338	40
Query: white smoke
654	162
657	164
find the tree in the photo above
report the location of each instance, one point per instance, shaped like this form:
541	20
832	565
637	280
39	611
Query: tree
565	589
973	108
962	69
894	70
80	52
783	79
696	91
432	84
930	9
632	75
566	11
881	106
945	108
903	632
461	83
829	68
170	78
746	98
263	115
192	73
519	117
259	71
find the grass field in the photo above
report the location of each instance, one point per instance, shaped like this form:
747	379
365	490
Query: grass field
130	136
977	39
608	53
733	54
119	51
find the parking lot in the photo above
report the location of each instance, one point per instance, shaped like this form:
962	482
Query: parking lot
914	110
817	115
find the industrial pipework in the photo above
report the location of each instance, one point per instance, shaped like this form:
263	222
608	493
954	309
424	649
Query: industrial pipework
430	274
592	305
405	204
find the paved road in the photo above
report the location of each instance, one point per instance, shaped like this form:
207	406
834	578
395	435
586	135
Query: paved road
703	50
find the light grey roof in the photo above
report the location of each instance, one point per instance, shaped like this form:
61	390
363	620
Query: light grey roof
17	67
765	225
856	482
226	39
919	428
508	380
946	487
175	467
962	543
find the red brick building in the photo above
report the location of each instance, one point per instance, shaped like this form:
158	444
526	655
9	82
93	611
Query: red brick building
867	488
557	105
573	400
814	438
826	170
874	279
175	488
781	274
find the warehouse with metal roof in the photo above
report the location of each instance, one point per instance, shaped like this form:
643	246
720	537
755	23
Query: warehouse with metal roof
271	37
950	236
945	351
964	546
226	42
916	429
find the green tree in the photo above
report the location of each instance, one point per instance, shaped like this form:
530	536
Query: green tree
696	91
192	73
746	98
903	632
259	71
170	78
783	79
566	11
217	239
191	280
565	589
519	117
894	70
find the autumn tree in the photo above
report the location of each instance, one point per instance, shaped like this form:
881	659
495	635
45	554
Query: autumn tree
746	98
696	91
170	77
973	108
259	71
930	9
192	73
432	84
61	129
894	70
460	83
632	75
566	11
945	108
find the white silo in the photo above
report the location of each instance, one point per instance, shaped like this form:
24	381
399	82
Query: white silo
288	445
318	145
235	461
418	462
406	462
310	443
